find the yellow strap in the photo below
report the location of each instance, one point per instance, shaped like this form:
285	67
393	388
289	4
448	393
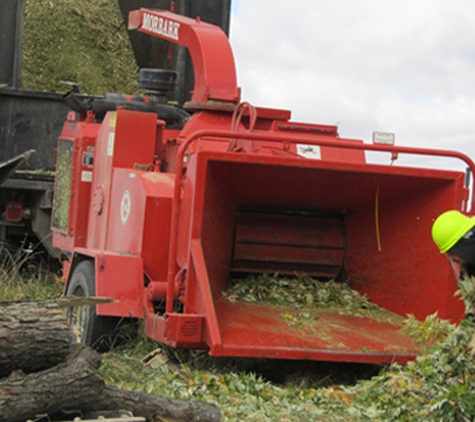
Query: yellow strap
376	219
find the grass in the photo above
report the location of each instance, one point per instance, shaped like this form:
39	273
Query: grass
19	288
23	276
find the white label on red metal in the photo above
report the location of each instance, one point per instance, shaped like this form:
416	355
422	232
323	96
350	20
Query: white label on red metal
164	27
309	151
110	144
125	206
383	138
86	176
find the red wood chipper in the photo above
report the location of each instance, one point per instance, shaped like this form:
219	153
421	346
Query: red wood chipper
156	208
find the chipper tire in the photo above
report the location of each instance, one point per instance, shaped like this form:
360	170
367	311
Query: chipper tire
89	328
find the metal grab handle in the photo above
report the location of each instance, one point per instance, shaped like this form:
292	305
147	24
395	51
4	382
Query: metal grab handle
236	120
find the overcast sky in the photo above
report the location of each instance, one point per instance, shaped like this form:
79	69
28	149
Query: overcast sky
405	66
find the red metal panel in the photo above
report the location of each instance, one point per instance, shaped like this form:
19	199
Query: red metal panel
126	138
259	226
98	210
211	54
155	247
157	327
83	135
260	331
200	297
134	142
391	254
125	231
287	260
139	221
120	277
286	243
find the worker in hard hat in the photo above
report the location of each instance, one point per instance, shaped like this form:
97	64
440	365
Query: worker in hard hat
454	234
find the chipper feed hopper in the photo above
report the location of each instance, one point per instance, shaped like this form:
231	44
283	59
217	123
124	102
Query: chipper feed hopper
160	218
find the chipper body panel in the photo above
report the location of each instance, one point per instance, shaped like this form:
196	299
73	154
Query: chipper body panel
175	214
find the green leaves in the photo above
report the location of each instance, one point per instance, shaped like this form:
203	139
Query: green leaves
438	386
425	332
83	41
304	292
466	291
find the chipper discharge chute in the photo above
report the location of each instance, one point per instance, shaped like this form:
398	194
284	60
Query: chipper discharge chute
241	190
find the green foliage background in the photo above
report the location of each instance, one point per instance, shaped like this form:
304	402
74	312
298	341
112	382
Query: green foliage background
81	41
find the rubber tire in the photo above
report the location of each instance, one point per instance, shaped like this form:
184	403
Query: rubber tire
89	328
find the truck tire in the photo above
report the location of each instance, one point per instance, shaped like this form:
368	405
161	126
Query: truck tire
89	328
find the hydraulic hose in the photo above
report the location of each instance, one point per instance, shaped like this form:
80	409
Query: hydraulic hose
100	106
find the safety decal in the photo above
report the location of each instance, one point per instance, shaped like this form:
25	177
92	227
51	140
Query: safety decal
110	144
125	205
86	176
309	151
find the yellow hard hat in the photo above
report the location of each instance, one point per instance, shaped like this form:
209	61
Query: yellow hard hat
449	227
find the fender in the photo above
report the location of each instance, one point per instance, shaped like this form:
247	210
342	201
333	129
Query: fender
109	267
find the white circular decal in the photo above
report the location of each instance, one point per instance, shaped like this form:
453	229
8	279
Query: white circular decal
125	205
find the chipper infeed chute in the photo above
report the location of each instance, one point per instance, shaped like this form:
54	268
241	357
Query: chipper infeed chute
365	225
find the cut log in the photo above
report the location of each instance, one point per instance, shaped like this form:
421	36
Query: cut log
76	386
153	407
34	335
70	385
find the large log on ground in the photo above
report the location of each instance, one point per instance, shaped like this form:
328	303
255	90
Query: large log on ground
153	407
76	386
70	385
34	335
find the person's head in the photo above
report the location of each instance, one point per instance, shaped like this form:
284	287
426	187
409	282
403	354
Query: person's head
454	235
